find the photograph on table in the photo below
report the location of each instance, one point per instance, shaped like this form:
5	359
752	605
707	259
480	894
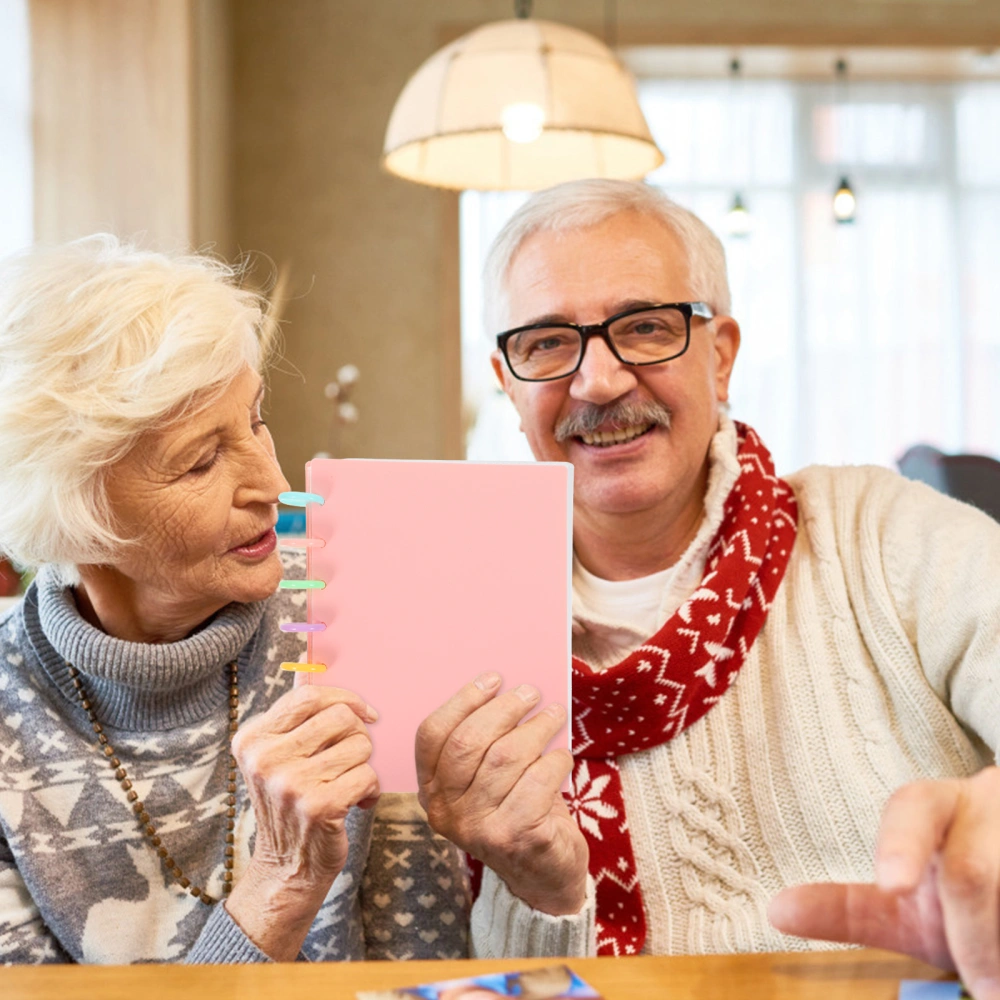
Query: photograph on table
548	983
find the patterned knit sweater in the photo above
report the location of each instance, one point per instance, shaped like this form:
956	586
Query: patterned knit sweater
78	882
879	664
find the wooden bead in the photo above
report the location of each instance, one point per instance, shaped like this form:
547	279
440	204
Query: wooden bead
138	807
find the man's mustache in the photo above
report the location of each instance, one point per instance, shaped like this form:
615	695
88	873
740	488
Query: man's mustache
622	413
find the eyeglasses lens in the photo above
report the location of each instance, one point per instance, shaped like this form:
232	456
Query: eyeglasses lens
640	338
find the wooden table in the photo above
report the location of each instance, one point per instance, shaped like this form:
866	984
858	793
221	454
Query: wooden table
841	975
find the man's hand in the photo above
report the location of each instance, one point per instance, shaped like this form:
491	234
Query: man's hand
488	787
937	891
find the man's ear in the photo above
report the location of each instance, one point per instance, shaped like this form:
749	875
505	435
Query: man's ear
506	381
726	347
500	370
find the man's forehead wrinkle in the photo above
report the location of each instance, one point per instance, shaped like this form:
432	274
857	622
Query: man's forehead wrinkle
564	278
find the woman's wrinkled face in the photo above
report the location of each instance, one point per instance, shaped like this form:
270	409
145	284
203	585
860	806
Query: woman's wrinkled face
199	496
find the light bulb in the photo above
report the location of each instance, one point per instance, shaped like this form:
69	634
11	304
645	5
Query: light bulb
522	122
739	222
844	202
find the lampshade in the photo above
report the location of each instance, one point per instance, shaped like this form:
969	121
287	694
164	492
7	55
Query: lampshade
519	104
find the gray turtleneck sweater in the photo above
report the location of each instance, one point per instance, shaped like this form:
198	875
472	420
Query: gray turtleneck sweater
79	882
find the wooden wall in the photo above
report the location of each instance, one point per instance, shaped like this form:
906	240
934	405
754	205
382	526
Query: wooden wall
132	120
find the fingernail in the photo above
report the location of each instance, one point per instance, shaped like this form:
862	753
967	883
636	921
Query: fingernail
487	681
555	710
370	714
526	693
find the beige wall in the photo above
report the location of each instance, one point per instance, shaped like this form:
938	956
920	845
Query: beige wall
257	125
375	258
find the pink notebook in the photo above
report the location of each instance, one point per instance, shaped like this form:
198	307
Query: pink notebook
435	572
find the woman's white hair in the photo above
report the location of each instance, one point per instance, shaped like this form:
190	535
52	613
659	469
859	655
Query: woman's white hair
99	342
581	204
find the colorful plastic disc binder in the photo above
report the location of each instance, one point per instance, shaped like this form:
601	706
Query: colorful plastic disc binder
432	573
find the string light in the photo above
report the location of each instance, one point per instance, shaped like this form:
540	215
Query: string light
739	222
844	202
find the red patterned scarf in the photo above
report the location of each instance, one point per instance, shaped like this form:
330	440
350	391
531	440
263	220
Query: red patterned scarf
670	682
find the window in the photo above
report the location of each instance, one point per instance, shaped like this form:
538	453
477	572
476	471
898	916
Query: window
858	339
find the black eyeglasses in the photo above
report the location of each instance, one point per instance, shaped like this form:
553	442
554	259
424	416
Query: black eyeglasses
648	335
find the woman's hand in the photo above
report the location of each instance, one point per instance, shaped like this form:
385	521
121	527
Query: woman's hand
937	890
305	763
488	787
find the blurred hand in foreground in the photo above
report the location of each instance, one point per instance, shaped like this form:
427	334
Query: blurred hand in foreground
937	891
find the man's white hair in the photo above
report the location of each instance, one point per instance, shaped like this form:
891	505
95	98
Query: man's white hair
581	204
99	342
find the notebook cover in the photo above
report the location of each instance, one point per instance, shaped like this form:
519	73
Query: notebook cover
434	573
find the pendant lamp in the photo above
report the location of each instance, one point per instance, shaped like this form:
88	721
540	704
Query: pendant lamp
519	105
738	220
845	201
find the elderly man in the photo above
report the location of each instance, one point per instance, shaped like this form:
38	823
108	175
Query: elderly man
785	691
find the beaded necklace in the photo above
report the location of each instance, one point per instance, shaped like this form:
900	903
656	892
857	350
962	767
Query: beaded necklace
149	831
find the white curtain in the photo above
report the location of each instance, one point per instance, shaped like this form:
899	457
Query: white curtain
15	128
858	339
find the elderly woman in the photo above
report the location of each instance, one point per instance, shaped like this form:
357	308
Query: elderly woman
165	793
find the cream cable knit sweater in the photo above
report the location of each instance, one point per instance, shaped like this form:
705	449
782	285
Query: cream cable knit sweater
879	664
